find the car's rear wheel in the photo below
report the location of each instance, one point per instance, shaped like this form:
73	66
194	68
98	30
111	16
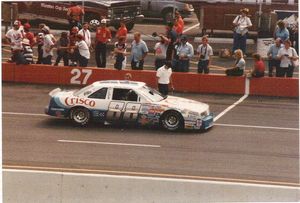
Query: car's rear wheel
80	116
172	121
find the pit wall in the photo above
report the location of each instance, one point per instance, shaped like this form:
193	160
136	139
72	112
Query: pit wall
183	82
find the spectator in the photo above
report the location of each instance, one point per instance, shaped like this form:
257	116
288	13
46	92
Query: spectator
15	37
128	77
84	51
62	45
73	53
281	31
287	56
27	51
185	52
259	67
240	65
139	51
40	42
241	23
179	23
47	46
75	12
120	53
274	62
85	32
103	36
29	35
160	49
163	75
205	53
172	39
122	31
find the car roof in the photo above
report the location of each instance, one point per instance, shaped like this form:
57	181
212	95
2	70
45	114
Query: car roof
120	83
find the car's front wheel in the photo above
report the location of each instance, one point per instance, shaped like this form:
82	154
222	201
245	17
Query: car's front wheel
80	116
172	120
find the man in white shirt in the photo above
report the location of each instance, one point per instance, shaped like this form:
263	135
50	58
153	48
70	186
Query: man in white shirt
86	33
163	75
47	46
242	23
287	56
205	52
84	52
160	49
15	37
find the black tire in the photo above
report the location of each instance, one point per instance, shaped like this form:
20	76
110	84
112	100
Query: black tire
168	16
172	121
80	116
129	26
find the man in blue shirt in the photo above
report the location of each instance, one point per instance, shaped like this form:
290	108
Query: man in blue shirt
281	31
139	51
184	52
274	62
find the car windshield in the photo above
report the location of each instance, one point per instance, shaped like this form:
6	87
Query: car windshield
86	91
152	94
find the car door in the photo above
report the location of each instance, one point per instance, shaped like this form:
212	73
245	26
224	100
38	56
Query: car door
102	99
124	106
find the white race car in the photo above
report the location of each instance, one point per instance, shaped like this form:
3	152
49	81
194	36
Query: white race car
115	101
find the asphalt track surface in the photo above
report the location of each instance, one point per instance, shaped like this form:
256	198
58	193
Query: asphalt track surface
255	142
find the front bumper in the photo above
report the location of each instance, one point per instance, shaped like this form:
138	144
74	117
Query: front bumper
207	122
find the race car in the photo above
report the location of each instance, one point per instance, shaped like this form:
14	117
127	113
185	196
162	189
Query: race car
121	101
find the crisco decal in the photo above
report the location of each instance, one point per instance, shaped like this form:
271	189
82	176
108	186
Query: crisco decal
81	101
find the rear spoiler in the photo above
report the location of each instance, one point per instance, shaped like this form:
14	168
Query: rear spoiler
54	92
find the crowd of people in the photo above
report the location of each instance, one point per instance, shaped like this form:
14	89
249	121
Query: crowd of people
172	52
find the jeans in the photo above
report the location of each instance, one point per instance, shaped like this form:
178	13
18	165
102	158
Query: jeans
203	66
159	63
47	60
64	56
273	63
100	55
239	42
83	62
286	71
137	65
19	58
119	61
163	89
40	54
183	65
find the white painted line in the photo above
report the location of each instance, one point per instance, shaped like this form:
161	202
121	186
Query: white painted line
24	114
256	126
109	143
190	28
247	88
223	181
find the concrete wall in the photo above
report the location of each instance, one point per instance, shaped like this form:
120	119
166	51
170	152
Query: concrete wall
41	186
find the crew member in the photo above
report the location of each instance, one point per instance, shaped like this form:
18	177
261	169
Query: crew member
242	23
185	52
85	32
15	37
75	12
103	36
163	75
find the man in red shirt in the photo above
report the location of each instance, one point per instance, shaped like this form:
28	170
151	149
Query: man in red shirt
122	31
29	35
179	22
74	14
103	36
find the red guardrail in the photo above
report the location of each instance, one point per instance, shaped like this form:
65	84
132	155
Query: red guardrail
183	82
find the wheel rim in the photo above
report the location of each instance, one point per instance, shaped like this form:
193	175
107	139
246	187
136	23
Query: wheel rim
80	116
172	121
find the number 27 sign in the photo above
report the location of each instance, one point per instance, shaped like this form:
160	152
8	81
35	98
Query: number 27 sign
80	76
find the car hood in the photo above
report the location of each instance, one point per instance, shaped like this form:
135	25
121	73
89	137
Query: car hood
184	104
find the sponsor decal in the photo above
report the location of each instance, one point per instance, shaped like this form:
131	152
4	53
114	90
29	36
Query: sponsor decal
80	101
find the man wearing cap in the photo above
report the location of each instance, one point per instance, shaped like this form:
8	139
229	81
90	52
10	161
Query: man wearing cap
15	37
241	23
160	49
29	35
47	46
184	52
103	36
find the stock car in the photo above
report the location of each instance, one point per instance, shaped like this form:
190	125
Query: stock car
115	101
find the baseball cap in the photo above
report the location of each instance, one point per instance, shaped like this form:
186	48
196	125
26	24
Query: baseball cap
17	22
184	37
26	41
27	26
46	29
103	21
